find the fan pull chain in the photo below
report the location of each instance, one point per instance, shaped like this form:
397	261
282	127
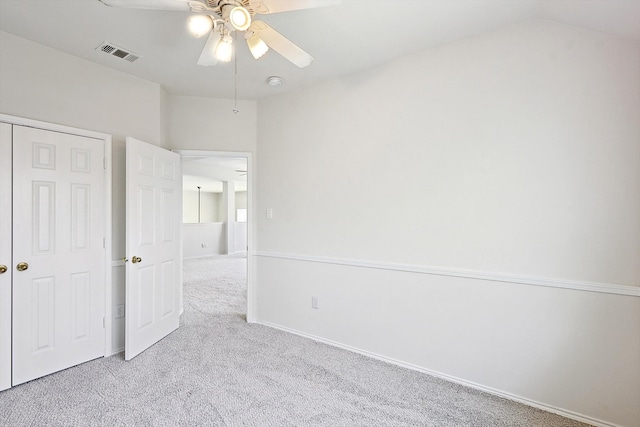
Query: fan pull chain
235	76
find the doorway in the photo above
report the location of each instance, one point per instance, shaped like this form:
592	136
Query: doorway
218	219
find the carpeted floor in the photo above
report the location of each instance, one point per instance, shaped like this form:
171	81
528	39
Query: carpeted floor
217	370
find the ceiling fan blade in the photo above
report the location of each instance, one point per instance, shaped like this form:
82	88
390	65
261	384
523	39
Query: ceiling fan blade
265	7
281	44
207	57
182	5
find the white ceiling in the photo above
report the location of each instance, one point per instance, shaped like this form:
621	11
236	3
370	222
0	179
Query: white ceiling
346	38
208	173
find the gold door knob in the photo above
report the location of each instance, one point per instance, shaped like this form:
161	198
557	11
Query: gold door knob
3	269
22	266
136	259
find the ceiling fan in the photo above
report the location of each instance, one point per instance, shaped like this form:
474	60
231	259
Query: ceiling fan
220	18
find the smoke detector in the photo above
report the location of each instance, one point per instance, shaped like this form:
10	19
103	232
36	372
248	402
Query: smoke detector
274	81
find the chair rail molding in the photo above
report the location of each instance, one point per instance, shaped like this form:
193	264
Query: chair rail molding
606	288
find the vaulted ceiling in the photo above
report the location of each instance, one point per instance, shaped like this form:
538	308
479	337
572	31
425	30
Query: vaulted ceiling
345	38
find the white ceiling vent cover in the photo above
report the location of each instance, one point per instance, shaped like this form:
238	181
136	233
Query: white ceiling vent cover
119	52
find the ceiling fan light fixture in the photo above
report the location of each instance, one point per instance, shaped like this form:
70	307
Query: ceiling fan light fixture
224	49
199	25
257	46
238	17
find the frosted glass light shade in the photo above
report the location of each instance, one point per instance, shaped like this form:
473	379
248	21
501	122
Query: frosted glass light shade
239	17
257	46
224	50
199	25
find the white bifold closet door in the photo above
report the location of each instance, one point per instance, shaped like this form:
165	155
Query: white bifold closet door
58	252
5	255
153	245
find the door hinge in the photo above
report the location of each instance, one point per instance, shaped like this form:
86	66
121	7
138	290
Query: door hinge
104	322
104	163
104	243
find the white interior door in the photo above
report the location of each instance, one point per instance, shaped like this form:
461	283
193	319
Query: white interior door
58	251
5	256
153	221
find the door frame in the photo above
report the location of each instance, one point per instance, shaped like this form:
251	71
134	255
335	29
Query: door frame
107	139
251	220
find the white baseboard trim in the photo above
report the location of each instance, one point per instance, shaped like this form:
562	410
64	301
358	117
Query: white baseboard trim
548	408
627	290
116	351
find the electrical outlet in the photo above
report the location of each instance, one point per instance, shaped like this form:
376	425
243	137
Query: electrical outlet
269	213
315	302
119	311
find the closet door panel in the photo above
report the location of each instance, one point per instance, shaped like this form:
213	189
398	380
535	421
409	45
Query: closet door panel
58	228
5	256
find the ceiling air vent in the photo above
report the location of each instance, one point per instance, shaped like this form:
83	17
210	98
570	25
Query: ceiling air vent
114	50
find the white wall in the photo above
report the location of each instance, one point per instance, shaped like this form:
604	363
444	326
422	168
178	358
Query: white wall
209	124
212	211
241	241
203	239
241	227
210	207
241	200
210	204
45	84
509	158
